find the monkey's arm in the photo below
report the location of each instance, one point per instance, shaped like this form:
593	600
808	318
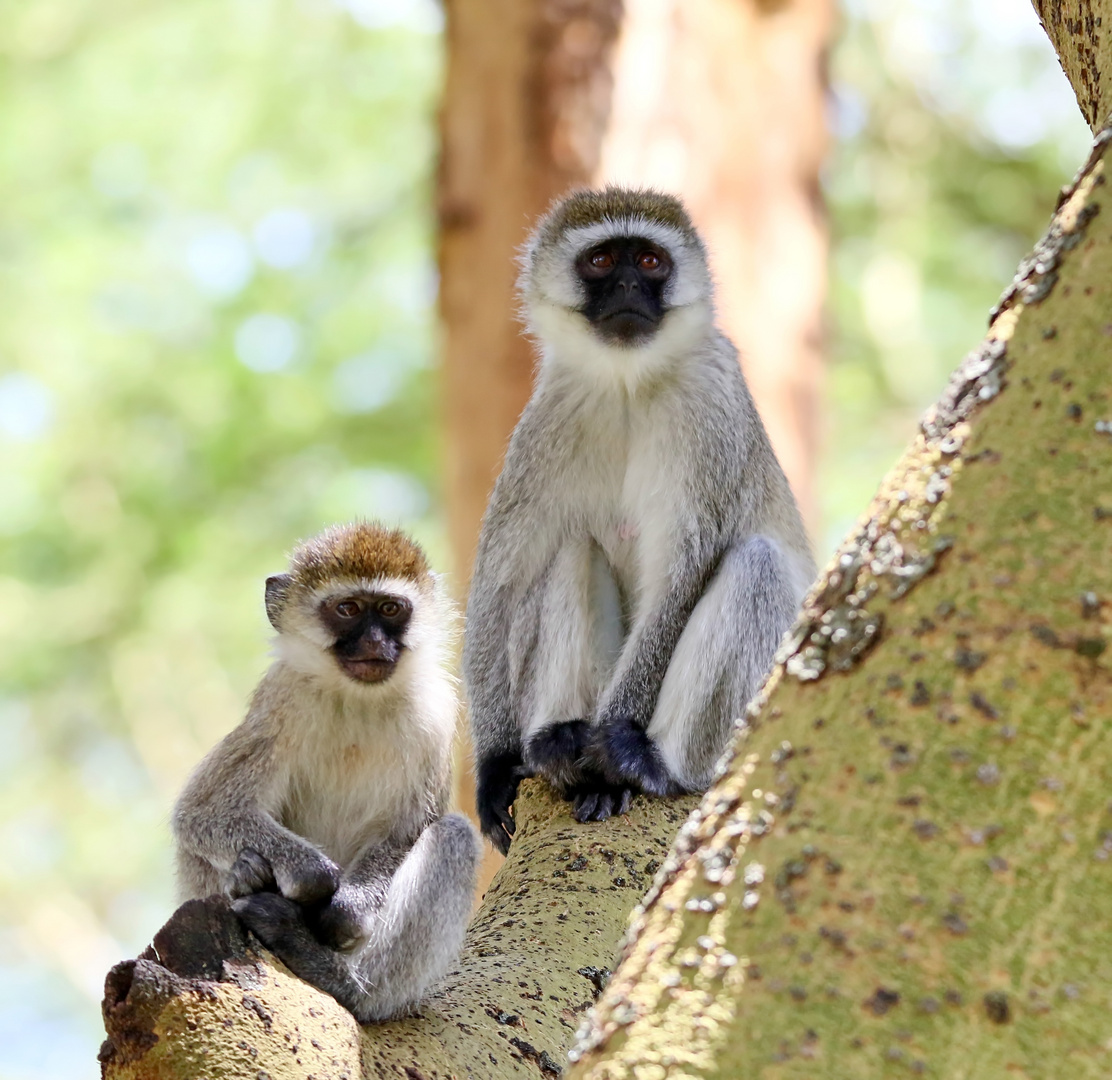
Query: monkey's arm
512	550
225	810
411	924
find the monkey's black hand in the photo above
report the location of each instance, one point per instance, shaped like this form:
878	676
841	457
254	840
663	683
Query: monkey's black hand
273	919
495	790
250	873
624	754
307	875
596	799
555	752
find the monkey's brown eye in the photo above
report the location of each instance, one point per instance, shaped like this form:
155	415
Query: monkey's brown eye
649	260
389	609
602	260
348	609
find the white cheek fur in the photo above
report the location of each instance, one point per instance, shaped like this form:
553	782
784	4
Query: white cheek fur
305	645
569	343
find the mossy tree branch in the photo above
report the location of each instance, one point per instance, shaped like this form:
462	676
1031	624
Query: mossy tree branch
206	1001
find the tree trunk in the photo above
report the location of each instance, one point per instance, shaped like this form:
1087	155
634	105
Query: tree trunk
906	862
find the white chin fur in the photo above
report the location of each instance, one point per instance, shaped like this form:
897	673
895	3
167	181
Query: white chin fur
569	343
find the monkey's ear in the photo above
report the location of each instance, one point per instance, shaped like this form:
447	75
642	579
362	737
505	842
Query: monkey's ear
277	589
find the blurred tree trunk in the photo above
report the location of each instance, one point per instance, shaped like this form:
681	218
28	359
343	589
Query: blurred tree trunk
719	100
526	101
723	102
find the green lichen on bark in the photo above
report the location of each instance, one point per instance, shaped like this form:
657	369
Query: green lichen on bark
902	869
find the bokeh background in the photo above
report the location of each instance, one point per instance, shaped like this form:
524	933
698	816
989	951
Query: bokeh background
218	332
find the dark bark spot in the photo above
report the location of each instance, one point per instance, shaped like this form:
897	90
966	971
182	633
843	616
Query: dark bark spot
955	924
598	977
882	1001
996	1007
967	659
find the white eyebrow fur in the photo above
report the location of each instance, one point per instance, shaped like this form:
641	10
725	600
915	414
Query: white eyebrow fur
549	274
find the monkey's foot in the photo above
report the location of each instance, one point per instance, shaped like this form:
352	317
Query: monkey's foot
556	752
338	924
595	799
273	919
626	755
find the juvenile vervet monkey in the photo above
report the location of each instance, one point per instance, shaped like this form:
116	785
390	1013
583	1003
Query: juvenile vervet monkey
642	552
322	816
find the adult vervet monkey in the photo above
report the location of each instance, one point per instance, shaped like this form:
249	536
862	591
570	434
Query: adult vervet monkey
642	552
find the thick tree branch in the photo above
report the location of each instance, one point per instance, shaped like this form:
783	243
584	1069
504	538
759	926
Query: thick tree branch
205	1000
1081	31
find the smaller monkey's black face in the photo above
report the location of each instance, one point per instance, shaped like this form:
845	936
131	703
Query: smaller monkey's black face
369	628
624	279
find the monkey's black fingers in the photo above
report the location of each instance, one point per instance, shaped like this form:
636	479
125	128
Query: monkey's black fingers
313	878
495	790
337	924
585	806
596	799
270	917
498	836
250	873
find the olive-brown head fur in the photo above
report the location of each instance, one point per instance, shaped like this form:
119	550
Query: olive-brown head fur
356	599
615	284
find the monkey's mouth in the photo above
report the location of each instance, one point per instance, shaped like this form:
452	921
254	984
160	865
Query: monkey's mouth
367	670
627	325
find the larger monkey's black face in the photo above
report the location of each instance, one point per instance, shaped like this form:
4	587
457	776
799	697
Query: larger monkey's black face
624	279
369	628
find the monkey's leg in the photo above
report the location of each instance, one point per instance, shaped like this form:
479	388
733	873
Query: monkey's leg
578	637
410	928
416	934
721	659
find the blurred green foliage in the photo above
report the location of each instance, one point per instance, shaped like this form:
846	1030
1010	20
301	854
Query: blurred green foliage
217	271
955	128
217	278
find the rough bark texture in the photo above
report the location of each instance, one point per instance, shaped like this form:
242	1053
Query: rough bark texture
724	103
905	865
1081	31
206	1001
